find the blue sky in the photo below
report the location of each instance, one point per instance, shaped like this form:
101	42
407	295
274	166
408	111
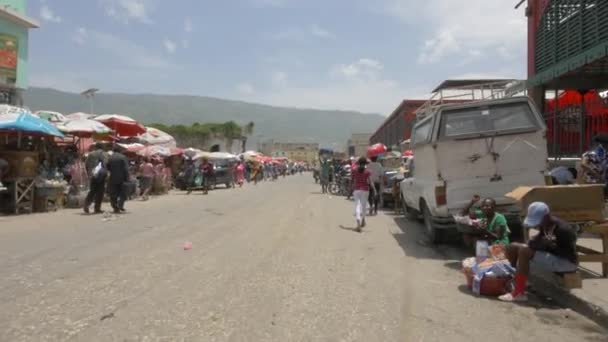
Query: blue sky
364	55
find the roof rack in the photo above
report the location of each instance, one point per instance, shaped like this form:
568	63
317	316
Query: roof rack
465	91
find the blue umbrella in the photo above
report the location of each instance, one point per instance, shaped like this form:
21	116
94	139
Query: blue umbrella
28	123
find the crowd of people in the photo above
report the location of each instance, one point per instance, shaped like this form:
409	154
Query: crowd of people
123	178
120	177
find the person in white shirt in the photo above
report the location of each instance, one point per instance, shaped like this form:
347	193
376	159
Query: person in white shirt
563	176
377	177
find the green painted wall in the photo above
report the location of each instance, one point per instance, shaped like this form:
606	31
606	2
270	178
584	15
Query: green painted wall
7	27
17	5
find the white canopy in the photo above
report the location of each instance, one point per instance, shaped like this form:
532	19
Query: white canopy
83	127
223	155
157	137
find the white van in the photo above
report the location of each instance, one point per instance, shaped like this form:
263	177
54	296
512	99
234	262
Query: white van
486	148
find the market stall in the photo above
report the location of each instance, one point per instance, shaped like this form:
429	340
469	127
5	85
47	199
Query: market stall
25	146
122	125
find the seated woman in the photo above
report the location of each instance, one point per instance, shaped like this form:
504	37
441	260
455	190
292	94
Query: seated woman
492	225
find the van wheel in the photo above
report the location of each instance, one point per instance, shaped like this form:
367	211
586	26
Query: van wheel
434	235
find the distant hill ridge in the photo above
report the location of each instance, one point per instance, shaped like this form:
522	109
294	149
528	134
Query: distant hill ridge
328	127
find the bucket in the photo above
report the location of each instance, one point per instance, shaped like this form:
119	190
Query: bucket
490	286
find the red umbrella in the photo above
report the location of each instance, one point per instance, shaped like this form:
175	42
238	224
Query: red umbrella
376	150
408	153
122	125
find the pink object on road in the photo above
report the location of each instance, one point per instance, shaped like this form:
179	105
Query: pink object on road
187	246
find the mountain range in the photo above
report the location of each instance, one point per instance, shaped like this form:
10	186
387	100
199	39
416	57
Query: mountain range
330	128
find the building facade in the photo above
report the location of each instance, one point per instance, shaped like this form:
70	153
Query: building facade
300	152
568	70
398	126
358	144
14	37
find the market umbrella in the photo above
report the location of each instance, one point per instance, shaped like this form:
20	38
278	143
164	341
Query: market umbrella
8	109
202	154
376	150
79	116
28	123
191	152
53	117
122	125
155	151
84	128
223	155
132	148
154	136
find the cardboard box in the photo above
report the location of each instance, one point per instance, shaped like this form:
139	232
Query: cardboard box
573	203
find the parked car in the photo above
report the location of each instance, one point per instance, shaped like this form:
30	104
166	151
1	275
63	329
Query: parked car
223	173
486	148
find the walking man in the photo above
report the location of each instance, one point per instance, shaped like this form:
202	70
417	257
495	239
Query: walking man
118	166
377	177
96	167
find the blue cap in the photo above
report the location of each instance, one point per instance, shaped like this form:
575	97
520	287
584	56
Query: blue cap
536	213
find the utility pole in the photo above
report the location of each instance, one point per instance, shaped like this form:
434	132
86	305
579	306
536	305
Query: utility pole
90	95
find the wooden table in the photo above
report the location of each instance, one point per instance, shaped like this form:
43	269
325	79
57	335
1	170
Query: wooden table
21	191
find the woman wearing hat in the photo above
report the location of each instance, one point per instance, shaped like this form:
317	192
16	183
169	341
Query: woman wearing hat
362	186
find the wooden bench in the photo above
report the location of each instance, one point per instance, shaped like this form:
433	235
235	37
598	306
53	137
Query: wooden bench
591	255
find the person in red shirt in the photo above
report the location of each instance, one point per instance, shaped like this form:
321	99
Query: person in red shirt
146	171
362	186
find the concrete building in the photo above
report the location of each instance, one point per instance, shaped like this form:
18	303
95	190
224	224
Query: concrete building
14	35
302	152
358	144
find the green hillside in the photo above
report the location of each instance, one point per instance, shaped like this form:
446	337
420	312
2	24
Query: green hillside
284	124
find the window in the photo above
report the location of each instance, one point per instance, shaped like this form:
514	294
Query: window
422	133
493	119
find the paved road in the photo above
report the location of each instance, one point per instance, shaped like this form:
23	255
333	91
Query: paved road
276	262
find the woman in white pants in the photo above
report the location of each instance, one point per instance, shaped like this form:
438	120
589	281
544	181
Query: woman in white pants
361	186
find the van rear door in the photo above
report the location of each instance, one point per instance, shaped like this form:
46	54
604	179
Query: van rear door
489	149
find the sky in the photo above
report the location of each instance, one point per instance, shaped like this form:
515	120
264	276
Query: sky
364	55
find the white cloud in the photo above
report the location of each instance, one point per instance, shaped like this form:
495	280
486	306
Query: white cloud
245	88
279	79
320	32
363	69
492	28
81	36
121	51
360	86
169	45
302	34
128	10
188	27
47	14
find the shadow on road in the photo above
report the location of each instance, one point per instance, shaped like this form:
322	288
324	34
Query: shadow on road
413	241
352	229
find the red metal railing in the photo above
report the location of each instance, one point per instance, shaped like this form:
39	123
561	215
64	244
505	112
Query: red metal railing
568	132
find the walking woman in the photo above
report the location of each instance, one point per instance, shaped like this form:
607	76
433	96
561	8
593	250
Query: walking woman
239	173
362	187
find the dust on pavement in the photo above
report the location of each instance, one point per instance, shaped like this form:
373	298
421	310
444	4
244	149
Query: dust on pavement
273	262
